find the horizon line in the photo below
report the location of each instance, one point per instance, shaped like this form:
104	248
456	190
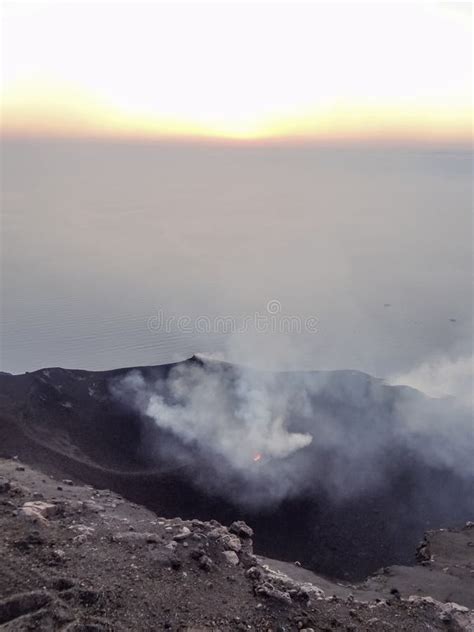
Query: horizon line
296	140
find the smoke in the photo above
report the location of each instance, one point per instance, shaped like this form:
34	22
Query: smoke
236	416
257	437
227	423
440	427
442	377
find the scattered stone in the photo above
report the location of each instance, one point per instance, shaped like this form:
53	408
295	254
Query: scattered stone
254	573
205	563
231	557
445	616
91	505
423	552
4	485
57	556
395	593
302	592
217	532
182	535
240	528
231	542
248	559
171	545
456	616
197	553
267	590
39	511
84	533
135	538
19	490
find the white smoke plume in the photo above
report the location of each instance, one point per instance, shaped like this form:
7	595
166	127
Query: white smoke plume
441	377
240	417
257	437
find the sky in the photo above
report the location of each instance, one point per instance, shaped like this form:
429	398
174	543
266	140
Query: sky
242	71
207	159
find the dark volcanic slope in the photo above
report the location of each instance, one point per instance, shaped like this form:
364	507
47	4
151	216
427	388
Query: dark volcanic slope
66	423
76	559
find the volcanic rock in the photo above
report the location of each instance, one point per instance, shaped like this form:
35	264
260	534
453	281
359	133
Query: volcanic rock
267	590
205	563
240	528
231	557
182	535
230	542
133	537
39	511
4	485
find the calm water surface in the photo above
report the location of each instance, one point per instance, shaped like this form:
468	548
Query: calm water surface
98	237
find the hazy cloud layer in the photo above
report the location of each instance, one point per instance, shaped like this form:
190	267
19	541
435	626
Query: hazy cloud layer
374	242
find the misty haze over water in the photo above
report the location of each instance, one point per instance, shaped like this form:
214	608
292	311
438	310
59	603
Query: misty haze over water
98	236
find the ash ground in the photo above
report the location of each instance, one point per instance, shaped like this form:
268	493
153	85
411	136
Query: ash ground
81	559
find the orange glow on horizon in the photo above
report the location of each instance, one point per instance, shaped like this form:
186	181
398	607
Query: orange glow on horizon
314	72
82	117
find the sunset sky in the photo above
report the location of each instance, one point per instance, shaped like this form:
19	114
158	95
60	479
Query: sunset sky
239	71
